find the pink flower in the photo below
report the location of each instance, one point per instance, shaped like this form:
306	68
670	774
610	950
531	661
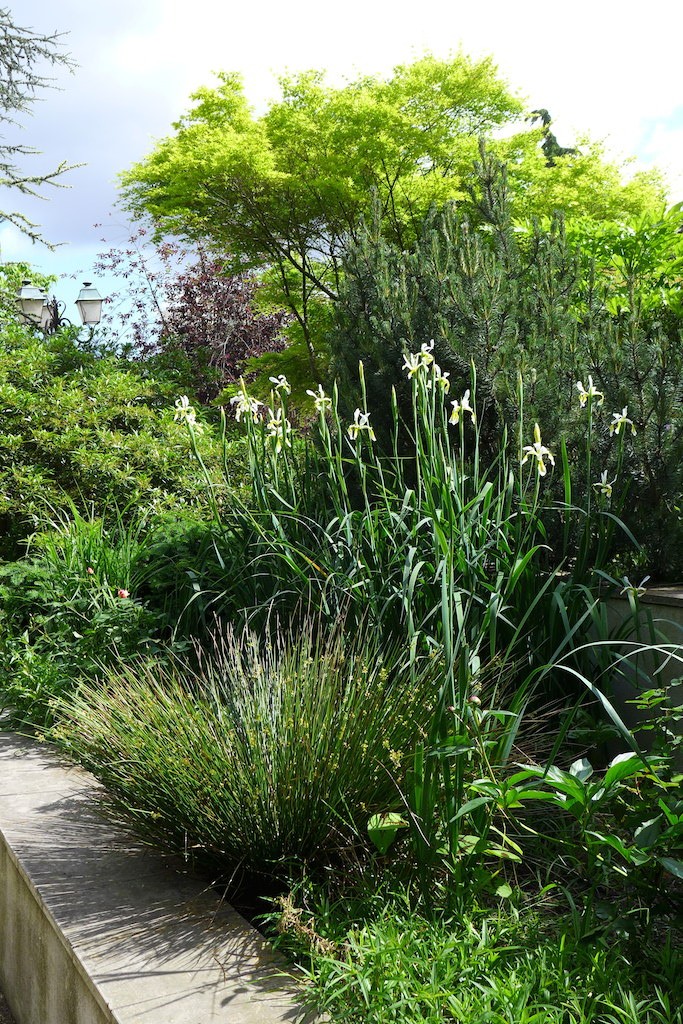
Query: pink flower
90	571
123	593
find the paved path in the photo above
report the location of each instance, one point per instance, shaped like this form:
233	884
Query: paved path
115	928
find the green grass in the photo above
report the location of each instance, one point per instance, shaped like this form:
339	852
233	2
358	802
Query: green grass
500	966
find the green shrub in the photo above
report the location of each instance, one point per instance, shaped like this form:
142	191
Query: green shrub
244	757
78	600
95	430
621	831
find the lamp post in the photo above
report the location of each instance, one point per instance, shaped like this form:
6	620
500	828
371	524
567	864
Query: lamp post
48	314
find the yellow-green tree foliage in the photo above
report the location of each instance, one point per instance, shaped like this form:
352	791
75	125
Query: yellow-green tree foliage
287	190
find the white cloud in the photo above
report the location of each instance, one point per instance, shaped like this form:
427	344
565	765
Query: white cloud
663	145
601	67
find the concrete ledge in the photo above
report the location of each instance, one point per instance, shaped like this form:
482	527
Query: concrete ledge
97	929
666	596
661	608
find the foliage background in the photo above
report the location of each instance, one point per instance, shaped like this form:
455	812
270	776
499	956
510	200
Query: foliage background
95	429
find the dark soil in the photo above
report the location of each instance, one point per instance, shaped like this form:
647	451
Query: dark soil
5	1016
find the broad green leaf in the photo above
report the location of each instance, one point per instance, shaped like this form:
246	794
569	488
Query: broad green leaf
614	843
471	805
648	833
623	767
581	769
674	867
383	828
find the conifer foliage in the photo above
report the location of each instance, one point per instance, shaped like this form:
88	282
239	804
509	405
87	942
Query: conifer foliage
22	53
541	305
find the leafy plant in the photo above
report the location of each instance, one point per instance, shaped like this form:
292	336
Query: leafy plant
440	552
76	602
661	724
498	964
87	430
432	547
628	827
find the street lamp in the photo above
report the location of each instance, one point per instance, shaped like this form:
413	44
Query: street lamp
31	300
47	314
89	304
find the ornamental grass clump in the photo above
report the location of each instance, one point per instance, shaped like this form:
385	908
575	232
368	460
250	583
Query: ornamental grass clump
265	754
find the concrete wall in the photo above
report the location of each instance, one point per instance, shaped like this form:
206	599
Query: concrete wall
43	979
661	611
97	929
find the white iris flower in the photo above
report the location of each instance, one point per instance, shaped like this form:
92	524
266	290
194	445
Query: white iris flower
539	452
281	383
279	429
619	420
590	392
604	486
461	407
185	413
321	400
361	422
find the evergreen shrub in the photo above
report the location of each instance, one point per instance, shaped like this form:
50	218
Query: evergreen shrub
550	305
91	429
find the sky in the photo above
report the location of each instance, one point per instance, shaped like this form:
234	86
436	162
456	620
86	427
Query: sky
611	70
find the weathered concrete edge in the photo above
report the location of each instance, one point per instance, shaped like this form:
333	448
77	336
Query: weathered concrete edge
671	597
122	938
27	1000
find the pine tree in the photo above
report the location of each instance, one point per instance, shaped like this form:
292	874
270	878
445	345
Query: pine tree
484	293
543	303
22	52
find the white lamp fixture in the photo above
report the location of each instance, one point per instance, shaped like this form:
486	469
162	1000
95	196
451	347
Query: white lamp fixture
46	314
89	304
31	300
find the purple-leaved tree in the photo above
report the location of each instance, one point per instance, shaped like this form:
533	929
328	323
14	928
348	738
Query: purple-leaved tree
185	306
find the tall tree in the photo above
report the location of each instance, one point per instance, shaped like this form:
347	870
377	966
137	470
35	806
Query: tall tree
289	190
22	53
